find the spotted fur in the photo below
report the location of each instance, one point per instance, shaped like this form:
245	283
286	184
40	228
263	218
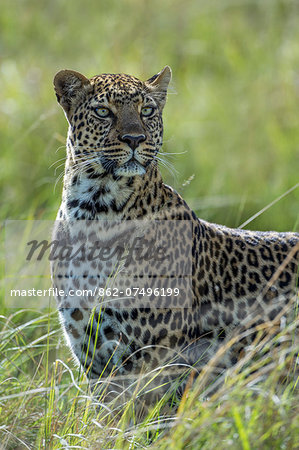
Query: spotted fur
112	173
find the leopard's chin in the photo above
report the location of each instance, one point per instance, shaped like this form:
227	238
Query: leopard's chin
130	169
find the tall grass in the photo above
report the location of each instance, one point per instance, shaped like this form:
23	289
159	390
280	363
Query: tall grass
232	127
46	402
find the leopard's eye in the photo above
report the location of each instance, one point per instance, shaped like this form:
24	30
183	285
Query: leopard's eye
147	111
102	112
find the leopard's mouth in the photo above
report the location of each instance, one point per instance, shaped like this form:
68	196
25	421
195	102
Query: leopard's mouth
130	168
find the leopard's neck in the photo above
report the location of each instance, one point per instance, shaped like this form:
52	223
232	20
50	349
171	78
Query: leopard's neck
88	195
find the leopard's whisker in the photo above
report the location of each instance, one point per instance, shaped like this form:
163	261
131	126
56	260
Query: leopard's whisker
58	161
60	148
168	166
58	179
169	154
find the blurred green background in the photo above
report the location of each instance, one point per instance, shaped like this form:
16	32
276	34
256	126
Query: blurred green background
232	111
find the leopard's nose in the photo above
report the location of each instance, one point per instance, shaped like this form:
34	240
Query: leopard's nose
132	140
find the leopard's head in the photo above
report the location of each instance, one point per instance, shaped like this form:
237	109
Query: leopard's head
115	120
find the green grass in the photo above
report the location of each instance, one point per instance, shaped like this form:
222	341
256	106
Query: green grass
46	403
232	124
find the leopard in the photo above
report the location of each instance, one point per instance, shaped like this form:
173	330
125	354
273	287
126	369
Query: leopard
112	189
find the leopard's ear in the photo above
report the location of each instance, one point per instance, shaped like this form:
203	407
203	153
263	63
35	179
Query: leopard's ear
70	87
158	84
